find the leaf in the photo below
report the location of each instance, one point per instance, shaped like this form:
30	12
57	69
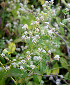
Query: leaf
2	81
63	62
62	30
58	20
17	40
42	1
13	72
67	76
12	47
55	71
35	78
48	71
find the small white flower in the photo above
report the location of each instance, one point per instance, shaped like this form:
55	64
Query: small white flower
36	30
61	76
21	67
28	57
57	57
28	52
14	59
42	32
49	52
7	67
2	55
42	18
50	78
32	66
23	37
43	51
39	49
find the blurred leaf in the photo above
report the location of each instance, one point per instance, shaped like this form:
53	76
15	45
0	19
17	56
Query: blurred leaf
42	1
12	47
62	30
35	78
2	81
17	40
13	72
58	20
47	70
63	62
55	71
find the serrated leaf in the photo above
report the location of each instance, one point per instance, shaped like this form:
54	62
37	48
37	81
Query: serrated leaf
13	72
63	62
55	71
12	47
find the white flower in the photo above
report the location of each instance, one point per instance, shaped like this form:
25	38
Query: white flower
23	37
50	32
50	78
61	76
53	29
57	57
18	49
37	18
58	82
42	32
28	52
49	52
39	49
14	59
25	27
36	30
28	57
43	51
32	66
21	67
2	55
37	58
7	67
42	18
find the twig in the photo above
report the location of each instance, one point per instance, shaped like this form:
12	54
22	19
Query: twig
63	40
53	76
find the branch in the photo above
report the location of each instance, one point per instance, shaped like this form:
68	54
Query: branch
63	40
53	76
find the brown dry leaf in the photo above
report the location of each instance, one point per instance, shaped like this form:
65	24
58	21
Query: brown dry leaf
3	4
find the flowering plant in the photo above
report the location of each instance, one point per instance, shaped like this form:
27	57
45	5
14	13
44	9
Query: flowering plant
32	44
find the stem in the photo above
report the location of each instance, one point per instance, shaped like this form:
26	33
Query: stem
63	40
6	71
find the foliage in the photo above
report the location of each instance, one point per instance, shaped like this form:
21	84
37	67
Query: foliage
34	43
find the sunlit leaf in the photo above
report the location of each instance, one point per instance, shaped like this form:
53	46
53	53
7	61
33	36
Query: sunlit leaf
55	68
12	47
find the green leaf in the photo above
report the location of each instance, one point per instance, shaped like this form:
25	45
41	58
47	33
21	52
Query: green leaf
63	62
62	30
67	76
35	78
47	70
2	81
17	40
58	20
13	72
55	71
